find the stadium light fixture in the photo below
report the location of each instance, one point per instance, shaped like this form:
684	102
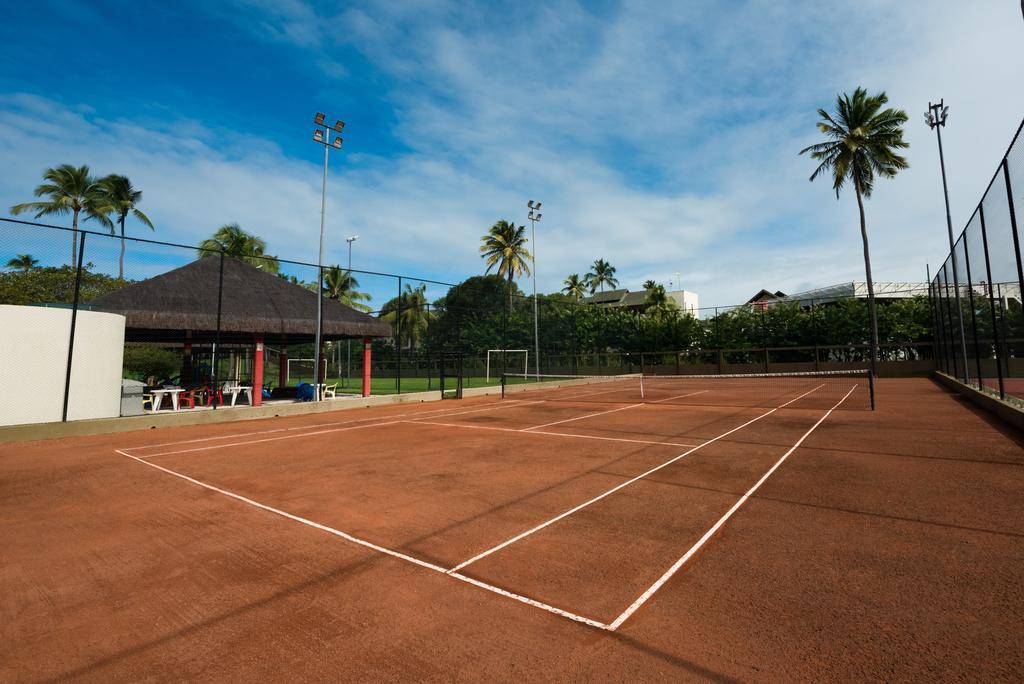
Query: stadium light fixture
322	135
936	116
534	216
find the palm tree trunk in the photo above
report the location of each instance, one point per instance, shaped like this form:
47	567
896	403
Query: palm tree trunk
74	238
120	262
510	293
872	311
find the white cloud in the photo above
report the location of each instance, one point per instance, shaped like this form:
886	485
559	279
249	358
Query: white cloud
661	140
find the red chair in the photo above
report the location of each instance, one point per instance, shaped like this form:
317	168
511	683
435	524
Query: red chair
188	398
211	393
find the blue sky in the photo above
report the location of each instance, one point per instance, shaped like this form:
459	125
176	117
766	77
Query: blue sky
660	136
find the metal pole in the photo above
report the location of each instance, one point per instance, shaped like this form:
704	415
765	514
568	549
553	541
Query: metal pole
398	319
989	294
536	328
74	321
940	121
348	343
320	280
216	338
974	318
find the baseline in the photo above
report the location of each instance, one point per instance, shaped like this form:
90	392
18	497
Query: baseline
532	431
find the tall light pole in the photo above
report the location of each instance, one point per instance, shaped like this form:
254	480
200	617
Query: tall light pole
348	365
322	135
936	118
534	216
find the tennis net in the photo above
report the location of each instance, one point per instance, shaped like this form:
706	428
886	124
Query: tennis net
815	390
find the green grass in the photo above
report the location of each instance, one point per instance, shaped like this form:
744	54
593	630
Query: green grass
389	385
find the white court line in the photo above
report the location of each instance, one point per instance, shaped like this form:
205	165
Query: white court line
556	434
597	498
307	433
721	521
316	425
375	547
657	401
589	415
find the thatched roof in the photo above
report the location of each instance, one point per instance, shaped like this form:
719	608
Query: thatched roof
185	299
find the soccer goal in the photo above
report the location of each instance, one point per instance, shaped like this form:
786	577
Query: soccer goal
302	369
524	352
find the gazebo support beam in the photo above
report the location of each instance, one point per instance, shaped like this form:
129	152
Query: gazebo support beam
257	372
367	352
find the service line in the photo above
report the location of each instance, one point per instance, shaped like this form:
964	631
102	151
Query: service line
642	599
616	488
531	431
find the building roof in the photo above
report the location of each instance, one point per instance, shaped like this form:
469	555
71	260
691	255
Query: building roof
254	302
634	299
766	296
609	297
859	290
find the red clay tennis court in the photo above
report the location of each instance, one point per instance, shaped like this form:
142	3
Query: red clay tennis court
727	529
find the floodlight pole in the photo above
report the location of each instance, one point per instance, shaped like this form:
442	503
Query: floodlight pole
534	216
348	364
936	117
322	135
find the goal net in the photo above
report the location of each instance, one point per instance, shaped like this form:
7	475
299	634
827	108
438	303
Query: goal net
301	370
513	363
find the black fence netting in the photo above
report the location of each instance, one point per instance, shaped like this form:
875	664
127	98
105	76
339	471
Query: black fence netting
976	294
209	327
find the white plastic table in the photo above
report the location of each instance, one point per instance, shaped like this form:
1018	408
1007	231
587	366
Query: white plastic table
158	397
236	389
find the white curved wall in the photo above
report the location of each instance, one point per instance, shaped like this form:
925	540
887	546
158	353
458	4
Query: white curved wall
33	363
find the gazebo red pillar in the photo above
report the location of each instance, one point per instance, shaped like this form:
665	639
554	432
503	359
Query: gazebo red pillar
366	366
257	373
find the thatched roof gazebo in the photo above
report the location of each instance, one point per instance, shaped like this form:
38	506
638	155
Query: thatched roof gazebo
183	303
256	308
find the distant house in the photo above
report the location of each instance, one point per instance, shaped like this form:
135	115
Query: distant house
637	301
764	299
884	292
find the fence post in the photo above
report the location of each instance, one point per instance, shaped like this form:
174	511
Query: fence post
764	340
1013	224
398	339
74	322
970	299
814	333
949	317
216	336
991	304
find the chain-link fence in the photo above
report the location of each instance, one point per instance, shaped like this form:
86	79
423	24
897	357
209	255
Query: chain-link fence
976	294
213	326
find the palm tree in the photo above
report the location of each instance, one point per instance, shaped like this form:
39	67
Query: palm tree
235	242
23	262
411	311
69	189
603	274
862	143
341	285
575	286
658	303
118	194
504	246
